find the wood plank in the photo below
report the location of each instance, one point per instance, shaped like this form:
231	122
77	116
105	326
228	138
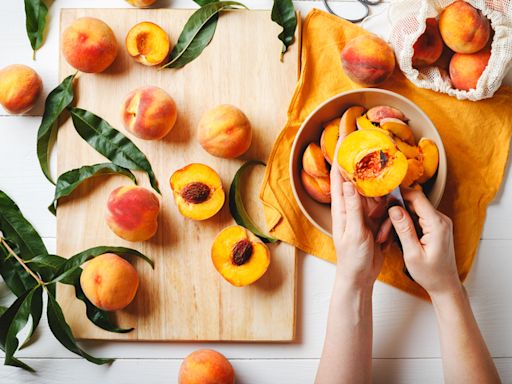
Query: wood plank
283	371
184	298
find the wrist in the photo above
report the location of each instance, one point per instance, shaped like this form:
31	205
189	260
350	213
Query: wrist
353	287
452	294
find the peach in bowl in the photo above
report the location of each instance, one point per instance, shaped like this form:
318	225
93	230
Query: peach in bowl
390	142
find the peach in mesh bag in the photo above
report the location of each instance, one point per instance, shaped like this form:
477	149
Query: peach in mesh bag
408	23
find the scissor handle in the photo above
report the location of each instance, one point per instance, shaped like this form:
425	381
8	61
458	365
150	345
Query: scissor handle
365	3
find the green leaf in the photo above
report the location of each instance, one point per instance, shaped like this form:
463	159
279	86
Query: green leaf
2	310
283	13
35	22
69	181
204	2
10	316
69	268
15	277
18	322
36	312
63	334
56	102
198	32
236	204
18	230
111	143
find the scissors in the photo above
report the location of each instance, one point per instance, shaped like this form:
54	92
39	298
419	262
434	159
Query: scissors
365	3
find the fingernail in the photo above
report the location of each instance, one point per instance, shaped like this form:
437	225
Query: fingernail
395	213
348	189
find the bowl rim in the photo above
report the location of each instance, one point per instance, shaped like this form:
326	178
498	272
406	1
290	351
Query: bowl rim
442	152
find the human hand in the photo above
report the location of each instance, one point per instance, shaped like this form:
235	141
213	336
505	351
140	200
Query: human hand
431	259
357	231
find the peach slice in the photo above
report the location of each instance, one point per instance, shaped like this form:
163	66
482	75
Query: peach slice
376	114
430	157
370	159
149	113
362	122
148	43
313	161
109	282
414	172
197	191
239	256
319	188
399	129
132	213
410	151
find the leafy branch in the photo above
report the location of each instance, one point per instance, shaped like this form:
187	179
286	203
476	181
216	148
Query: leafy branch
29	271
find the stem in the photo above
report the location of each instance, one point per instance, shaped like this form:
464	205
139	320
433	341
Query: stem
20	260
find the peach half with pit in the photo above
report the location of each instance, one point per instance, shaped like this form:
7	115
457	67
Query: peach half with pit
149	113
89	45
148	43
109	282
225	131
239	256
132	213
197	190
370	159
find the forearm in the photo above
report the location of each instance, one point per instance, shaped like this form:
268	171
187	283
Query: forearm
347	353
466	358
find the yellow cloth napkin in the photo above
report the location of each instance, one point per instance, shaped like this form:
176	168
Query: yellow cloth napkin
476	136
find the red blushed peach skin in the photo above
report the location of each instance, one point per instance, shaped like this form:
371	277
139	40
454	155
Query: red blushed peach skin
20	86
464	29
368	60
466	69
109	282
132	213
206	366
149	113
319	188
141	3
89	45
429	46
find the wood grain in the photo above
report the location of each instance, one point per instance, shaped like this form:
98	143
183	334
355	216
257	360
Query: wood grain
184	298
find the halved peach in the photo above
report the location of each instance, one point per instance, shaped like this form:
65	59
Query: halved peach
410	151
239	256
371	160
414	172
319	188
399	129
197	191
376	114
430	157
313	161
148	43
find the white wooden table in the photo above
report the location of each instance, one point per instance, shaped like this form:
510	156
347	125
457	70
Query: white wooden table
406	347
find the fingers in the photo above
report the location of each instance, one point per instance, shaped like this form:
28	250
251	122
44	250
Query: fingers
404	228
384	231
337	203
419	203
354	209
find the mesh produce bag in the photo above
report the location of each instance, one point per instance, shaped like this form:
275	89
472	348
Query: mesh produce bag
408	23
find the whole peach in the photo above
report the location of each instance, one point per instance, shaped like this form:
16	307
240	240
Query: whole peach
89	45
141	3
109	282
466	69
20	86
464	29
206	366
149	113
429	46
225	131
368	60
132	213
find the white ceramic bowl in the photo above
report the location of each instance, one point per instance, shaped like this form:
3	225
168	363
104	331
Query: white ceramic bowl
320	214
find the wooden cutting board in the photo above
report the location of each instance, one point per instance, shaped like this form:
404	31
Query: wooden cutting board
184	298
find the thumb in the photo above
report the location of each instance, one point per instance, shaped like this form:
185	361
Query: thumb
405	230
